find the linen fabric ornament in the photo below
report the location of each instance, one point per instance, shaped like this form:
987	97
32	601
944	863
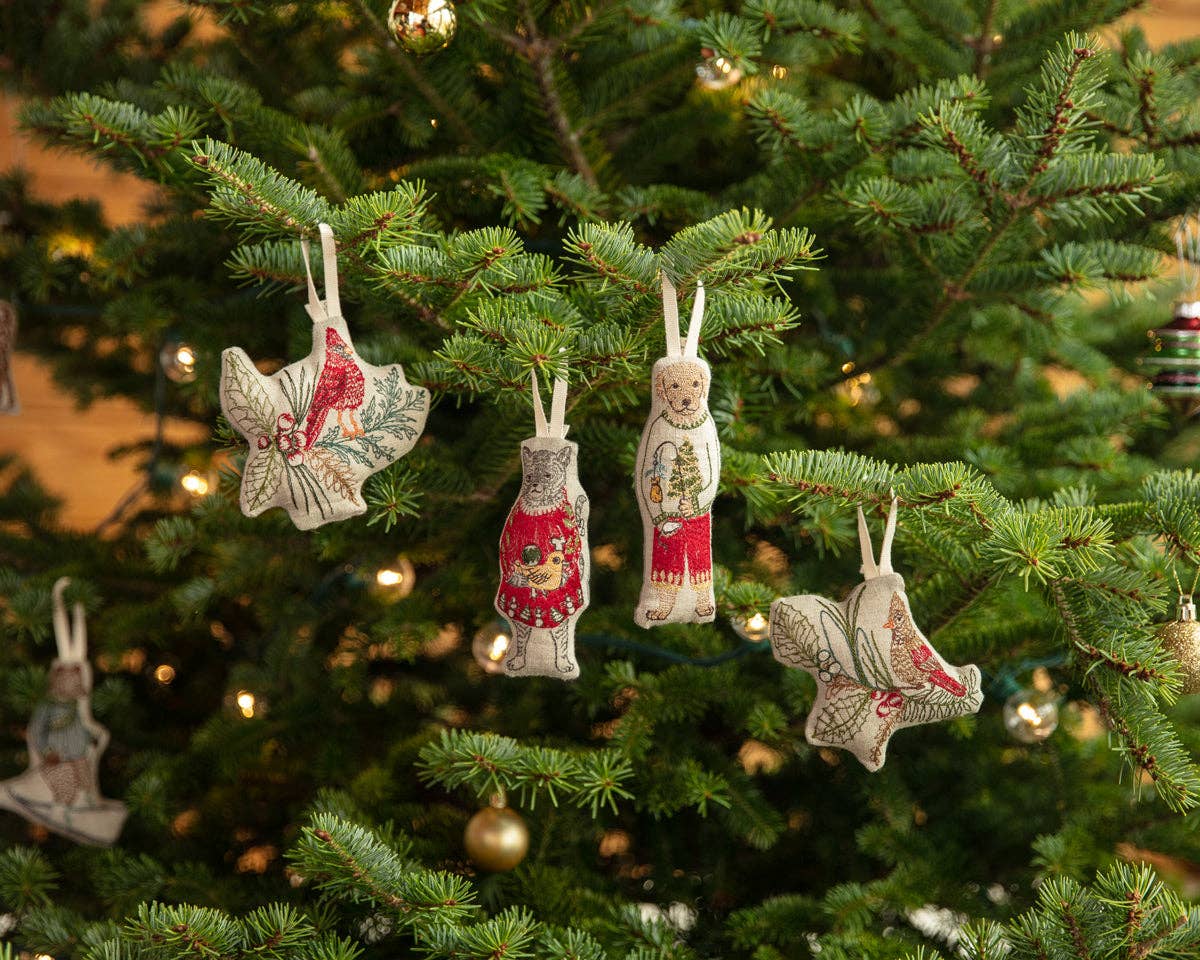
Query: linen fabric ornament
8	343
319	427
61	789
678	468
876	672
544	559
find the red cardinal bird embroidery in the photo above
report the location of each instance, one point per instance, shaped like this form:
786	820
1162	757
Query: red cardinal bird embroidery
912	658
340	387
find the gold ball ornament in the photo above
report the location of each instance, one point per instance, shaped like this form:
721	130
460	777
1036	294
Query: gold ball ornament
1181	639
422	26
496	839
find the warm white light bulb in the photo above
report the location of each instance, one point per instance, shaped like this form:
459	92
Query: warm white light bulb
195	483
178	361
395	580
490	646
388	577
1028	713
245	702
755	628
164	673
1031	715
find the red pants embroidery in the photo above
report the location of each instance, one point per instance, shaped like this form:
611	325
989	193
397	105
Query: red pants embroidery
688	545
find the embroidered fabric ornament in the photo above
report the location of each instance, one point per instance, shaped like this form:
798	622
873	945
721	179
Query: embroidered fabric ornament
61	789
678	468
319	427
544	558
8	343
876	672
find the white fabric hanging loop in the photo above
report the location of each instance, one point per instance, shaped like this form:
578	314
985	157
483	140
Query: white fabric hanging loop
692	348
671	316
331	307
889	534
556	427
675	347
870	568
71	638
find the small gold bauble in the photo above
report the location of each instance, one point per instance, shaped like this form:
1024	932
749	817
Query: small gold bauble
496	839
422	26
1181	639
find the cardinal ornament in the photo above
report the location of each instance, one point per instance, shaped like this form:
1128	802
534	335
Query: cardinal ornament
544	562
678	468
8	342
320	427
876	672
61	789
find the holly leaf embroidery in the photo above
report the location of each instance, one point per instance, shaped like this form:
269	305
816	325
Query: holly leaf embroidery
793	637
262	476
844	713
246	403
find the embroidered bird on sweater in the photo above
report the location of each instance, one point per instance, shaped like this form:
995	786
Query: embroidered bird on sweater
544	573
912	659
340	387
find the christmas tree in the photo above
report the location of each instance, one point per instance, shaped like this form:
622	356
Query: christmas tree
685	478
933	234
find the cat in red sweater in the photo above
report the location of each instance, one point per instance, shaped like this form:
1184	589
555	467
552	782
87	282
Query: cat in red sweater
543	561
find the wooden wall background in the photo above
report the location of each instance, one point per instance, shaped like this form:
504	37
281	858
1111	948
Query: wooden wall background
68	447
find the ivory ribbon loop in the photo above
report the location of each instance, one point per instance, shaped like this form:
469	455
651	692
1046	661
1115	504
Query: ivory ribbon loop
331	307
558	409
70	638
676	347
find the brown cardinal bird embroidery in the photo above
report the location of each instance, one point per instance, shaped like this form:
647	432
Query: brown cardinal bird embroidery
340	387
912	658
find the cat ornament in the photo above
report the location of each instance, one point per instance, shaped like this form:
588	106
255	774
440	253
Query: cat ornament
876	672
544	561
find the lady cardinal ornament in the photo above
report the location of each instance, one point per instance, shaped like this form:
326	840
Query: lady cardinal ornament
544	560
320	427
876	672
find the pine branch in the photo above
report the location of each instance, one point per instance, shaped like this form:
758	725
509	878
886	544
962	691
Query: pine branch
540	54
